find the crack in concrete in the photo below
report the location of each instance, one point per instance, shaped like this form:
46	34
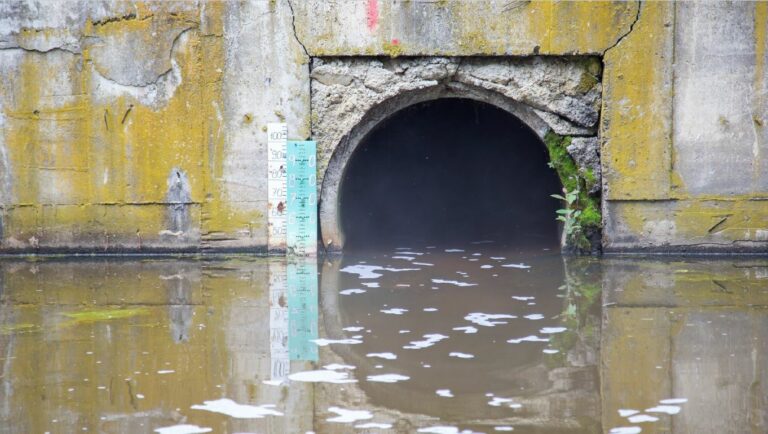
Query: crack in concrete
293	25
631	28
39	51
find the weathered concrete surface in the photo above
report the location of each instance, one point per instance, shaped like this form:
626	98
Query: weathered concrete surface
700	155
101	100
350	96
461	28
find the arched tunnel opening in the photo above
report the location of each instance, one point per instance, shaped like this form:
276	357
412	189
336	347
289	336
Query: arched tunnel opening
449	171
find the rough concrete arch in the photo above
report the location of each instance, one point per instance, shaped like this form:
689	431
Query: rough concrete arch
350	96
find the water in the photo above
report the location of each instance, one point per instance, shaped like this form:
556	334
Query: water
451	339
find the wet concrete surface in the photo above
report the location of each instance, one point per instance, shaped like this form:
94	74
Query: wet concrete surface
446	339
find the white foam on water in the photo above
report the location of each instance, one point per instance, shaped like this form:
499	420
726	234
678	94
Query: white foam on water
388	356
352	291
404	331
461	355
394	311
387	378
182	429
349	416
498	258
430	309
371	284
498	401
322	376
550	351
534	316
445	393
640	418
626	430
370	271
503	428
353	329
626	412
410	253
674	401
440	430
407	258
431	339
325	342
520	266
426	264
403	285
467	329
487	319
552	330
238	411
338	367
668	409
453	282
522	298
530	338
363	271
486	267
374	425
453	251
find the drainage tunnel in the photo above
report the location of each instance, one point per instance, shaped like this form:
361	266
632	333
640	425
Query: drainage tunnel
449	171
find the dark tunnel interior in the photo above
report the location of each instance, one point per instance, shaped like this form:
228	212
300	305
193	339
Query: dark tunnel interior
449	171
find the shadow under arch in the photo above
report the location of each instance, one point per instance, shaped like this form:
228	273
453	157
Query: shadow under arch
330	218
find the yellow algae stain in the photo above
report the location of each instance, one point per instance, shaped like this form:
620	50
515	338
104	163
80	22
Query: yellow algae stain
105	314
7	329
115	151
637	94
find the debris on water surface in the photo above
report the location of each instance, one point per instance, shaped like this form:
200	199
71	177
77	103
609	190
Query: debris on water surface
238	411
183	429
349	416
387	378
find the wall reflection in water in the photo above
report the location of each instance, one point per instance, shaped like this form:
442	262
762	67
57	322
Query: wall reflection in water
695	330
473	340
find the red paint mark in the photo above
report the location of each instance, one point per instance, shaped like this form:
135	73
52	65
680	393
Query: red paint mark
373	14
395	41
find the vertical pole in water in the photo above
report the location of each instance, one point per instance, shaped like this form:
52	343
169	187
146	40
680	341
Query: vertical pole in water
277	136
301	247
301	239
278	320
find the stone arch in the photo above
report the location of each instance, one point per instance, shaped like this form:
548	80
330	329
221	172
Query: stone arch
350	96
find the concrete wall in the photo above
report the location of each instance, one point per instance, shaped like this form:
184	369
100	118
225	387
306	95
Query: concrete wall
142	125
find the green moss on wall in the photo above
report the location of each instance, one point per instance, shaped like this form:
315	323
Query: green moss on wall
590	219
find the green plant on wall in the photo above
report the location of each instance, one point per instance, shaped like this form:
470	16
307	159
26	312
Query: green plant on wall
581	212
570	214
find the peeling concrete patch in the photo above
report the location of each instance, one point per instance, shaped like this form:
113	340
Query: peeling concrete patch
178	198
6	176
153	84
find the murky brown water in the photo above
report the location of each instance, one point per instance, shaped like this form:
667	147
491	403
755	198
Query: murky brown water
413	340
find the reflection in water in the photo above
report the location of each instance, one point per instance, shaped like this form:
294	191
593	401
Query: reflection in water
438	340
